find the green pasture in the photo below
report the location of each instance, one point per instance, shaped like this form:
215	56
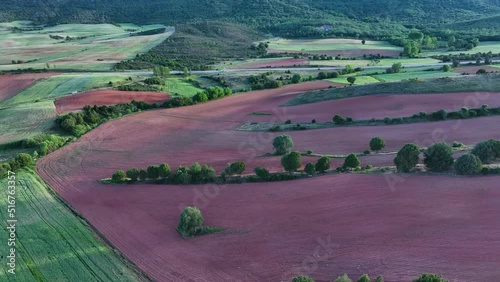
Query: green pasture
62	85
483	47
51	243
383	62
99	47
179	86
413	75
360	80
305	45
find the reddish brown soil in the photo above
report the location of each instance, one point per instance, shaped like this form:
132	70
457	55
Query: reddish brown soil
276	63
355	53
10	85
106	97
474	69
274	230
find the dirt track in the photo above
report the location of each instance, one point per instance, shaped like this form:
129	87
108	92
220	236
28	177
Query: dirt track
422	224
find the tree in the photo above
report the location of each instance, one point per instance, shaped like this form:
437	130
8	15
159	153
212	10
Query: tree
343	278
481	71
348	69
235	168
364	278
322	75
487	151
164	170
407	158
296	78
153	172
430	278
186	72
351	79
118	176
283	144
309	169
302	278
438	157
379	279
446	68
377	144
363	42
440	115
455	64
4	170
323	164
468	165
195	172
133	174
143	174
261	172
190	222
200	97
24	160
182	176
291	161
396	67
338	119
352	161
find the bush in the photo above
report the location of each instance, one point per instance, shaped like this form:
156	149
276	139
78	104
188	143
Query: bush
133	174
4	170
283	144
366	152
351	161
487	151
457	144
343	278
310	169
379	279
24	160
302	278
338	119
182	176
468	165
323	164
190	221
235	168
309	152
118	176
153	172
288	122
364	278
407	157
440	115
207	174
438	157
377	144
164	170
430	278
313	121
291	161
143	174
485	170
261	172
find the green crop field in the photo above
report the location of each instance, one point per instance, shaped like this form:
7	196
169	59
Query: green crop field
298	45
51	243
178	86
383	62
412	75
62	85
360	80
24	121
91	46
483	47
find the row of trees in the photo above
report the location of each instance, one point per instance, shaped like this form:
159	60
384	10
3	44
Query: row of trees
212	93
426	277
22	160
439	157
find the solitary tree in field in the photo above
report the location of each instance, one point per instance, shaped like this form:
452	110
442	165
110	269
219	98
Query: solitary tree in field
323	164
407	157
190	221
363	42
352	161
302	278
351	79
291	161
283	144
377	144
438	157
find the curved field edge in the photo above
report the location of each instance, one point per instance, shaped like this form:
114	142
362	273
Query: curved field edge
54	242
483	83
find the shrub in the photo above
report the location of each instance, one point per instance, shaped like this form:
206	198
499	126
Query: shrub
309	152
422	114
191	219
288	122
364	278
438	157
349	119
468	165
379	279
133	174
351	79
24	160
387	120
235	168
291	161
430	278
310	169
118	176
481	71
323	164
457	144
313	121
283	144
351	161
302	278
485	170
407	158
487	151
338	119
377	144
164	170
182	176
366	152
261	172
153	172
207	174
440	115
343	278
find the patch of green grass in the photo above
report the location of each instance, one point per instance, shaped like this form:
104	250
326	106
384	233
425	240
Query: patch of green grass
307	45
413	75
179	86
63	85
383	62
52	244
483	47
360	80
484	83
